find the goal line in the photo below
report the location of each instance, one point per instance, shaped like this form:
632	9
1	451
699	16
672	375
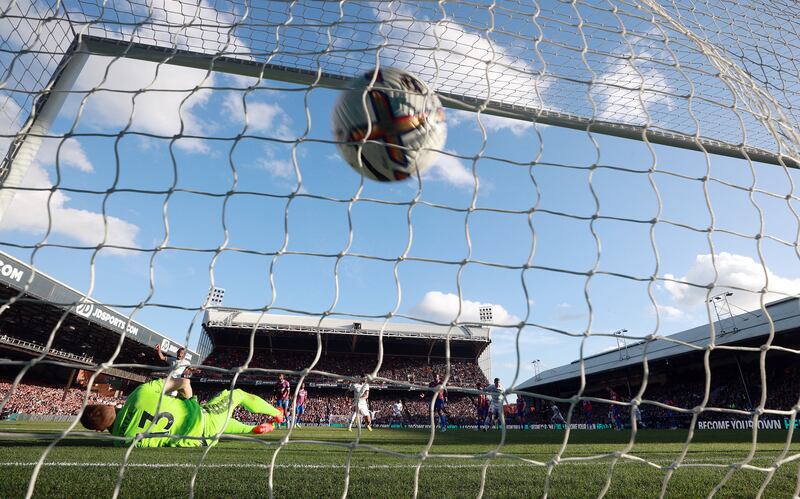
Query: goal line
660	463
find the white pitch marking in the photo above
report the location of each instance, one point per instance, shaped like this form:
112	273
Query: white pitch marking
73	464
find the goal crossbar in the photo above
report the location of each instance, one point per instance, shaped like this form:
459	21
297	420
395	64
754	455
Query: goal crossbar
95	45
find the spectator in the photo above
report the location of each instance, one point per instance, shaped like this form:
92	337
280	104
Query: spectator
36	399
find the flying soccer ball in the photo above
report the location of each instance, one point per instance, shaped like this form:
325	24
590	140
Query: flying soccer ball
390	130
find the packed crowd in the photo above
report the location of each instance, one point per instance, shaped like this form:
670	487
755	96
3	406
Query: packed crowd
463	372
36	399
416	409
728	390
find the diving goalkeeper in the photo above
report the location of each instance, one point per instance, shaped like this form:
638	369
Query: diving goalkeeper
165	424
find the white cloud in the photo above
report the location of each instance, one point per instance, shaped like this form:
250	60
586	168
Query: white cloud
157	110
461	59
492	123
457	117
735	271
670	313
261	116
28	212
452	57
158	99
616	91
275	165
193	26
71	154
448	169
500	124
458	56
443	307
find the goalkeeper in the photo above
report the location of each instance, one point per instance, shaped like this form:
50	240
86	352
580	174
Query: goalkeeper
154	419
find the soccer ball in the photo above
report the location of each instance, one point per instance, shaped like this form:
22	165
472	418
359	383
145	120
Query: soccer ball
389	131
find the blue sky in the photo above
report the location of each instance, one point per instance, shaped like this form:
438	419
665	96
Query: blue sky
184	183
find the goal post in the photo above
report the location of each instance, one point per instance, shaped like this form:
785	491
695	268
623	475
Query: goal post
25	145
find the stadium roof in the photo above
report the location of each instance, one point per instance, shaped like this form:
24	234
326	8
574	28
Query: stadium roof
784	313
227	318
22	278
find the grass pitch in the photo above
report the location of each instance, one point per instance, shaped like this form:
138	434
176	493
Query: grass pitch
82	467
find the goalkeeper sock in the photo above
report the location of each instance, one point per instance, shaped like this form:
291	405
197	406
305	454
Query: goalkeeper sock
236	428
254	403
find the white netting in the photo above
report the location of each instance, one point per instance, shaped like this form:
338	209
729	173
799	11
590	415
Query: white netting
609	164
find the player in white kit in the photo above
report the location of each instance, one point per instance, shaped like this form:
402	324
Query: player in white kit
496	399
556	418
179	365
361	404
397	414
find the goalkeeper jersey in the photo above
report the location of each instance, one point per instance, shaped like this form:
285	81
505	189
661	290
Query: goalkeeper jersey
175	417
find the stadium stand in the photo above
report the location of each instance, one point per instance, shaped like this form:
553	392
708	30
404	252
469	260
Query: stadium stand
90	331
88	335
411	358
413	354
407	369
677	376
49	400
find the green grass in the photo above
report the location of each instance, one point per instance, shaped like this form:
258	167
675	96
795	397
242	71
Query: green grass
241	468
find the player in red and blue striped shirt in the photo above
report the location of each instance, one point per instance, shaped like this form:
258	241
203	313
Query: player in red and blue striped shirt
300	408
482	406
283	392
521	410
440	402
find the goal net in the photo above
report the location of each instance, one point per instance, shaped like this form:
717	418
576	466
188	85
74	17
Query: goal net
615	172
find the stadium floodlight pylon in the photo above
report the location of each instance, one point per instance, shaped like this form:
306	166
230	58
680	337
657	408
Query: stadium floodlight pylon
712	77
